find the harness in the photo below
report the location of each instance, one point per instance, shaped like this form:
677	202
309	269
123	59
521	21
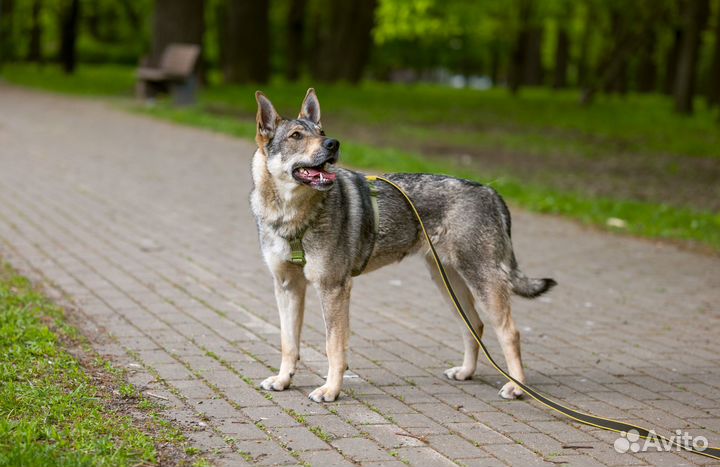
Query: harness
298	257
297	252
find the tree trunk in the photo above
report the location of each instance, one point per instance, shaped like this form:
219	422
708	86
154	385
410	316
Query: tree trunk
695	20
295	39
562	58
7	49
533	68
35	53
517	59
246	47
713	92
519	53
671	62
584	58
132	14
345	40
68	35
647	68
177	21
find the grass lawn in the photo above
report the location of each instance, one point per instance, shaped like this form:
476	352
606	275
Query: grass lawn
626	158
52	412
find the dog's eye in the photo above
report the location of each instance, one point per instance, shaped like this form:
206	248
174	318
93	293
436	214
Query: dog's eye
322	133
296	135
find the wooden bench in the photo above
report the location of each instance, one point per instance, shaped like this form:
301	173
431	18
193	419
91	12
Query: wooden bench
175	74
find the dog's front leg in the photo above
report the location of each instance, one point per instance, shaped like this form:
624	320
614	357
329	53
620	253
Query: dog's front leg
290	286
335	301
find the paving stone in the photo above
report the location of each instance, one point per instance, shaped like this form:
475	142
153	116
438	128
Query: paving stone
265	452
269	416
239	429
333	425
392	436
359	414
299	438
424	457
361	449
322	458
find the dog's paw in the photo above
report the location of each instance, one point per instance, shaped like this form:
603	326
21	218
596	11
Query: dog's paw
459	373
324	393
510	391
276	383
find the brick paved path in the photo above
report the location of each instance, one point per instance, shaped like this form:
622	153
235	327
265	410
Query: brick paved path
146	227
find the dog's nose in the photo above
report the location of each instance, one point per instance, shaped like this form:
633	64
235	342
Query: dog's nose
331	144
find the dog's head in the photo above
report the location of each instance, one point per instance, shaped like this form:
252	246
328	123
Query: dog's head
297	150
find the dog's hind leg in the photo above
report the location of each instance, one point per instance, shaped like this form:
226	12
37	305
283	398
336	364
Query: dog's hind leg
335	301
465	296
493	295
290	286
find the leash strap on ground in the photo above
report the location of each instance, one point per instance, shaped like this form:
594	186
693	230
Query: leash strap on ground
588	419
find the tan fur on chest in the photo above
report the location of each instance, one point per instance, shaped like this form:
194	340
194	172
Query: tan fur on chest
281	203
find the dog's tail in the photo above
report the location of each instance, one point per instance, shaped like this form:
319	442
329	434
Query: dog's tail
528	287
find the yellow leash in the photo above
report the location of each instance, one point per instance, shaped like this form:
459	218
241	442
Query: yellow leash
587	419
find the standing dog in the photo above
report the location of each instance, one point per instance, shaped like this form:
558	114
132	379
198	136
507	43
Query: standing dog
299	196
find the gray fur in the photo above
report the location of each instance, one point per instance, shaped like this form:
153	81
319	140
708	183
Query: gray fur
469	223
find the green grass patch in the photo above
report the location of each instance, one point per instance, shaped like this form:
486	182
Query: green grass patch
51	413
539	120
88	80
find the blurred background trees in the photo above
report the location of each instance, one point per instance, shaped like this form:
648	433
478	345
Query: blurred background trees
597	46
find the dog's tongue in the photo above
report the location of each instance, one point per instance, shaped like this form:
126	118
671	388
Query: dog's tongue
315	173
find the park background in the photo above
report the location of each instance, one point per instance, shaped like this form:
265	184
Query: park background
606	112
603	111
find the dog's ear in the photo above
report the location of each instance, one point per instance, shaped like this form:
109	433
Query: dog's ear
267	118
310	109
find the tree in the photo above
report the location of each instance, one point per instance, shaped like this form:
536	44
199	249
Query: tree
646	76
176	21
532	67
6	31
344	40
585	43
295	38
671	61
246	43
562	58
69	17
713	92
626	33
518	56
695	20
616	80
35	53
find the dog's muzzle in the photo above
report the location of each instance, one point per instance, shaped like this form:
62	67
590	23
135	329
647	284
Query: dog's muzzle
320	174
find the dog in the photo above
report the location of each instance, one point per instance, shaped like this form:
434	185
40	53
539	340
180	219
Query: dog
300	194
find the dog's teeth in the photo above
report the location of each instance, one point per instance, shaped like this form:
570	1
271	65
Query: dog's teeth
322	179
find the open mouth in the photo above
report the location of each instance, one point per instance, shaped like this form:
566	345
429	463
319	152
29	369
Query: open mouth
317	177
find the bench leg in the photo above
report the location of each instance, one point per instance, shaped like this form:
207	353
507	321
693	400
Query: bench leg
185	92
141	89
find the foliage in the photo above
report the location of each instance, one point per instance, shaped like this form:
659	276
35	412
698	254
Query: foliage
431	38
